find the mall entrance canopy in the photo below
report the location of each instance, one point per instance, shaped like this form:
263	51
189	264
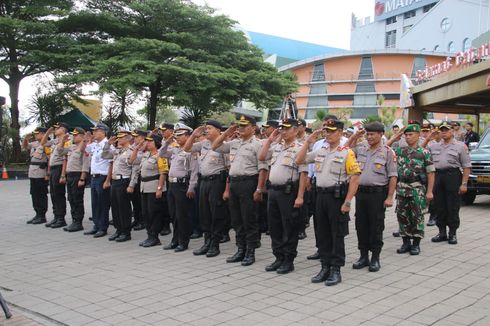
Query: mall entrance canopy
466	91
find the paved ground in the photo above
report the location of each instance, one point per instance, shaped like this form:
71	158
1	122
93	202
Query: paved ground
56	278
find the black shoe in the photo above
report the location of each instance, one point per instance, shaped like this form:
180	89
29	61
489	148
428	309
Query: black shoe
180	248
152	242
396	234
452	239
74	227
406	246
225	238
431	222
286	267
322	275
415	250
100	234
38	220
274	266
142	243
195	235
48	225
171	246
302	235
123	238
32	219
58	224
362	262
334	276
114	236
315	256
439	238
249	258
139	227
374	265
237	257
91	232
213	250
203	250
165	231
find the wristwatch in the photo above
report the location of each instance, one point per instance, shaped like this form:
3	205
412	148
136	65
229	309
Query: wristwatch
259	190
159	188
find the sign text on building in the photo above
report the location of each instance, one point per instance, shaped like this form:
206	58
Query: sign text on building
387	8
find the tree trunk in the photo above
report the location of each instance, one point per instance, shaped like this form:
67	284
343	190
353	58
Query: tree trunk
153	105
14	84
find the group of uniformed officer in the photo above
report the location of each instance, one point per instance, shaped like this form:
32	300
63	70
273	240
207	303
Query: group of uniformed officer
157	177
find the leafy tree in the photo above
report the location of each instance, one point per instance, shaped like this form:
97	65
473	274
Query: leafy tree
29	44
225	118
116	113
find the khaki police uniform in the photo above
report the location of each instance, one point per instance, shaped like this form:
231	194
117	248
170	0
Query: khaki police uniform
243	176
448	160
135	183
284	220
121	178
182	178
38	166
378	166
333	168
56	189
212	176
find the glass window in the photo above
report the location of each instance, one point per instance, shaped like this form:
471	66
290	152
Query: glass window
445	25
391	20
311	113
418	64
450	47
317	101
390	39
362	113
366	71
426	8
407	28
409	14
318	89
466	44
318	72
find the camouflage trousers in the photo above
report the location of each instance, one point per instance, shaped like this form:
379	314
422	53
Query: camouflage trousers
410	210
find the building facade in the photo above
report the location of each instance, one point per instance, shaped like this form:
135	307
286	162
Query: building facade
355	80
424	25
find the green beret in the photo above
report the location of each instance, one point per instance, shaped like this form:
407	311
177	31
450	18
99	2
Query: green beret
412	128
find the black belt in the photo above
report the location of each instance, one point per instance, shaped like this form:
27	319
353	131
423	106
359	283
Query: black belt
449	170
325	190
56	166
97	175
210	177
282	187
243	178
73	173
372	189
409	179
151	178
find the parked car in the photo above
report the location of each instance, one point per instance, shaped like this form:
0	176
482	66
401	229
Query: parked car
479	181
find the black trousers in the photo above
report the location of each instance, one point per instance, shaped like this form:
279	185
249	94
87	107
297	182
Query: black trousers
179	206
75	196
57	191
151	208
284	224
136	203
212	208
262	213
243	212
332	227
304	212
447	200
121	205
39	196
370	220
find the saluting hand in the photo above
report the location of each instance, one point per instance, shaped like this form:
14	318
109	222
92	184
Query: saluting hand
231	130
314	136
112	140
399	134
198	131
275	136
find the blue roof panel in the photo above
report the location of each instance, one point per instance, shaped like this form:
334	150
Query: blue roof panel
288	48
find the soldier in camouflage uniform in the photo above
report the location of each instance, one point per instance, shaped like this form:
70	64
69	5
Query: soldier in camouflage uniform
414	189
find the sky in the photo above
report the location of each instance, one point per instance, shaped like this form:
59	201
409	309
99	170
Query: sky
325	22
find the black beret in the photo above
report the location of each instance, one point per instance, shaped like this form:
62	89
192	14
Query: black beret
214	123
137	133
375	126
271	123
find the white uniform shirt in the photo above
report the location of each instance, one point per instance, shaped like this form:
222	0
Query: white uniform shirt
98	165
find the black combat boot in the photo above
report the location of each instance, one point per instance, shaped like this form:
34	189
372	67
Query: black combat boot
74	227
114	236
205	247
415	250
275	265
286	267
39	220
374	265
405	246
322	275
452	237
213	249
171	246
32	219
154	241
363	261
442	236
249	258
334	276
60	222
237	257
123	237
48	225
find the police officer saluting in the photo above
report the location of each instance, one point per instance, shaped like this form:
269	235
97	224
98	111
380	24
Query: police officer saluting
38	166
449	156
247	183
337	179
213	174
121	178
286	191
182	179
377	185
77	168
